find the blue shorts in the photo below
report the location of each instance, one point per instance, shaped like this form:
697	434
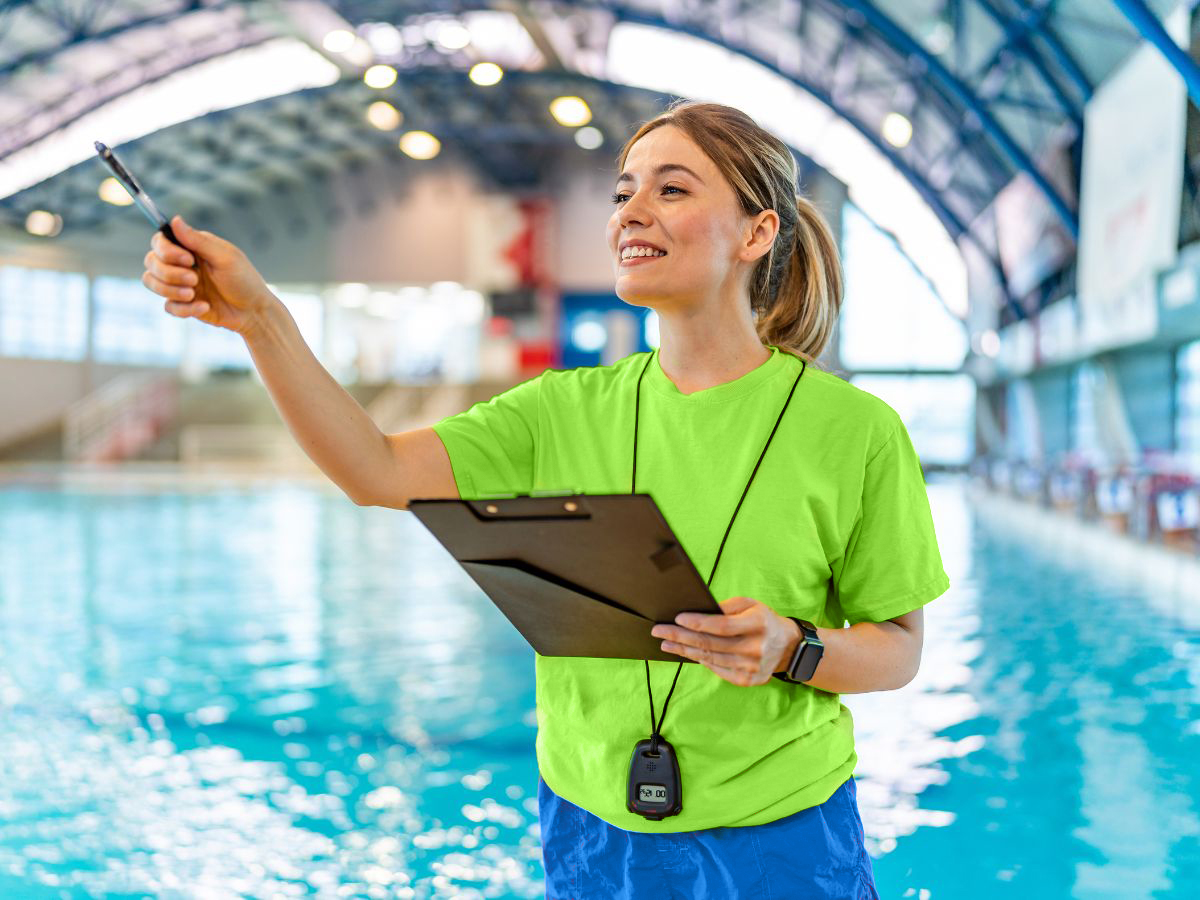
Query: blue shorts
816	854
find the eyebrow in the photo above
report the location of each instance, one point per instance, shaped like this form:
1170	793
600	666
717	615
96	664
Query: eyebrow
664	168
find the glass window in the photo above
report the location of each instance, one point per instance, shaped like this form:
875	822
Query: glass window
43	313
936	409
410	335
1187	404
891	317
1086	382
133	327
308	310
213	348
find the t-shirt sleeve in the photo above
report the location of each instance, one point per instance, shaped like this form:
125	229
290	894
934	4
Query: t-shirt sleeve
492	444
892	564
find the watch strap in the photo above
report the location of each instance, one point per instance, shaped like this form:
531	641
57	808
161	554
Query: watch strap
809	650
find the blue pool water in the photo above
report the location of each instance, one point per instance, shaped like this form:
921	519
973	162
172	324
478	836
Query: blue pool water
272	692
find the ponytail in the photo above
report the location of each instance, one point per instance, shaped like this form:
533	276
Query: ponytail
797	291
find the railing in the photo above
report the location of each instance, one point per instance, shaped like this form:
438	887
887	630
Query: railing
1158	499
119	419
395	405
405	407
260	445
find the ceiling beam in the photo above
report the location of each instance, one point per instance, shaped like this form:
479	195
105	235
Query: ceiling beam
907	46
1149	27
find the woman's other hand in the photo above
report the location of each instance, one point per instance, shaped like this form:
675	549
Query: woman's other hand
745	645
208	278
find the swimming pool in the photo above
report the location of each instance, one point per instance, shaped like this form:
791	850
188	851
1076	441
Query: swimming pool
270	691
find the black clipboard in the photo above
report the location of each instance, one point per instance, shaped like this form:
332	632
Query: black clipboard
576	574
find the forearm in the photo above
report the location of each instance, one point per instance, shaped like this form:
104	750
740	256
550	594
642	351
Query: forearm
868	656
328	424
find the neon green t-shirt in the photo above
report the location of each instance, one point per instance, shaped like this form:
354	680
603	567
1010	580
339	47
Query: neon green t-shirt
836	528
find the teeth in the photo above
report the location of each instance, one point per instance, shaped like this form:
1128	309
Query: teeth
632	252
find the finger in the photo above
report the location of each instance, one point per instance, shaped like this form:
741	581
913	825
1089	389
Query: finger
170	291
183	310
742	646
170	274
204	242
715	623
169	252
734	662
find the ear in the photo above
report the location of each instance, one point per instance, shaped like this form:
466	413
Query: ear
759	235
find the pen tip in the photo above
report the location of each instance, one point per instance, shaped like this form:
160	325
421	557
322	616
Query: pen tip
100	148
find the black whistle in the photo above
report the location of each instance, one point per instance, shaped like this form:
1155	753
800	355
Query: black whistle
655	788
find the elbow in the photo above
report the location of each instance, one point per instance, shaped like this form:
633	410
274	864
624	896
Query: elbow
909	671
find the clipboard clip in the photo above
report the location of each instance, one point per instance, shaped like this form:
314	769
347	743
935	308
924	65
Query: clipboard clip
524	506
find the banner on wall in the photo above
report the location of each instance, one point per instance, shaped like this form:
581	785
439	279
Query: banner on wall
508	243
1131	192
1032	241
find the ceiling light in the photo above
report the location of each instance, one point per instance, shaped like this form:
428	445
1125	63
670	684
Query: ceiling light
453	35
338	41
989	343
384	116
570	111
485	73
897	130
420	144
589	137
112	191
380	76
43	224
384	38
939	35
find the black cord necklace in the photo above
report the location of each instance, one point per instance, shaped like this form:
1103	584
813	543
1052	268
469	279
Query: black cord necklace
655	787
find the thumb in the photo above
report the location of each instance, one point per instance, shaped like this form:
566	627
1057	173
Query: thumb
192	238
734	605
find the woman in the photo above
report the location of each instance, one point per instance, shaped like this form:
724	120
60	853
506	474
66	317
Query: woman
799	496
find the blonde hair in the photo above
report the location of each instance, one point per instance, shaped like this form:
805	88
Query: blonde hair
796	288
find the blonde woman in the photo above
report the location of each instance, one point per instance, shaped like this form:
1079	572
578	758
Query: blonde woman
797	495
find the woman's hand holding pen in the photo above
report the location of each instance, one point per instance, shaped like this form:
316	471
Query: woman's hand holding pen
208	278
745	645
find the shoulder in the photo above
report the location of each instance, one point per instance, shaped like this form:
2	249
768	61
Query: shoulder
594	381
849	410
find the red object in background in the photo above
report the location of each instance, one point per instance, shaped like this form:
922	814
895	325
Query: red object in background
498	326
526	250
536	356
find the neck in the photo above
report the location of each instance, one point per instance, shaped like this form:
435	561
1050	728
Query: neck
698	352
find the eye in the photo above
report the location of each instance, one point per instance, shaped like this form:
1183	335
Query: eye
619	197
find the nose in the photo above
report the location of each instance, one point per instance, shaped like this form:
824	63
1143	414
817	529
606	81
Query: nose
632	210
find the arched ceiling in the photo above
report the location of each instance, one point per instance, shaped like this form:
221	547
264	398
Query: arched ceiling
993	88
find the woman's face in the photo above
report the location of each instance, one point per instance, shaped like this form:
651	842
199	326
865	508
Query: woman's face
671	195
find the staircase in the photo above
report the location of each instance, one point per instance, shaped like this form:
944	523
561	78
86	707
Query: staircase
116	421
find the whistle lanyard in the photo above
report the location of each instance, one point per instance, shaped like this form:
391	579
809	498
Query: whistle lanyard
656	725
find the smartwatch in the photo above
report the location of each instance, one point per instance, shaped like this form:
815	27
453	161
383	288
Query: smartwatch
808	653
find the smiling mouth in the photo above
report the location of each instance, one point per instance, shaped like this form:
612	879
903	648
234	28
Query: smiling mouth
634	259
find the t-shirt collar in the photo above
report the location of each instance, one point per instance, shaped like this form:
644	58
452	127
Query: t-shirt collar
658	381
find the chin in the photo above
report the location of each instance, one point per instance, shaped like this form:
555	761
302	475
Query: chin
643	299
636	298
